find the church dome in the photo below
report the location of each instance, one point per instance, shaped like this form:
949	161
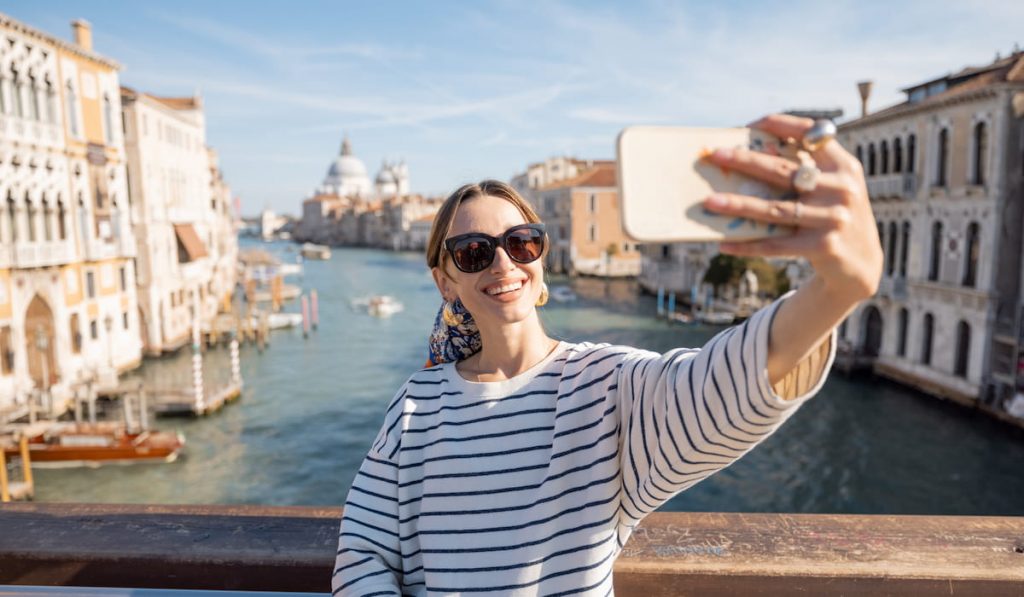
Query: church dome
347	174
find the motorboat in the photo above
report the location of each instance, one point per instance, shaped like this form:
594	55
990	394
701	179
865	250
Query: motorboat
278	321
383	306
715	317
315	251
59	445
561	294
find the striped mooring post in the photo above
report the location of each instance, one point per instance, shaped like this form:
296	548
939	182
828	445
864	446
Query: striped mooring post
661	301
314	308
305	316
236	364
671	303
197	364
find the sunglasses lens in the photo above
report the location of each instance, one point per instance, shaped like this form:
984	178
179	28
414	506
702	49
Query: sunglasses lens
473	254
525	245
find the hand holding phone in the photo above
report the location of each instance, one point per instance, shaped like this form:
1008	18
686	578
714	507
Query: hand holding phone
663	181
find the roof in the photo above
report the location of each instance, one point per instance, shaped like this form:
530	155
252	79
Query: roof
967	81
601	175
180	103
8	22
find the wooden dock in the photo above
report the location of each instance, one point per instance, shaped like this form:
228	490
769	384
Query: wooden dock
16	490
183	403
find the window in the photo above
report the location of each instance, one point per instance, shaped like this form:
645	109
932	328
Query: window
926	339
76	334
124	278
72	109
94	331
871	159
911	141
593	203
593	233
906	249
901	348
33	97
47	219
124	320
62	231
18	91
6	351
3	93
891	257
30	213
933	265
665	251
963	347
980	150
12	216
885	157
108	119
860	155
943	157
90	284
972	249
51	102
897	155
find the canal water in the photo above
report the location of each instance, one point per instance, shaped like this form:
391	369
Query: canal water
312	406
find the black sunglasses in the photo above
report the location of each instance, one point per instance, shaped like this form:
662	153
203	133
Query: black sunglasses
474	252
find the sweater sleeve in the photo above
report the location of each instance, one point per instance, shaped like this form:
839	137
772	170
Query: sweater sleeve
692	412
369	558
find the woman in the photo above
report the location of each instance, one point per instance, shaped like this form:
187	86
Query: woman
519	464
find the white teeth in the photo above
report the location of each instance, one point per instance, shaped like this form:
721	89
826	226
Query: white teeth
506	288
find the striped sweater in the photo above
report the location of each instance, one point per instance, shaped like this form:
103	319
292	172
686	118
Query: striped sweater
532	485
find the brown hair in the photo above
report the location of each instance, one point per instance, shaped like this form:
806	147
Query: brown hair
446	215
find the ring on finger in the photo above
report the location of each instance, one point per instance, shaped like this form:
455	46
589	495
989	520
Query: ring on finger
821	132
796	212
805	178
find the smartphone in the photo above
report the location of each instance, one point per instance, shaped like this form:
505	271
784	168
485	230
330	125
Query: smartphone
663	183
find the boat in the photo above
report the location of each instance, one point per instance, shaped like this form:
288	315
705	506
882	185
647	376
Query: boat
315	251
383	306
277	321
60	445
715	317
680	317
561	294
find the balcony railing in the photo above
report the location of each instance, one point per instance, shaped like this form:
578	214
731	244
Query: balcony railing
42	254
293	549
892	186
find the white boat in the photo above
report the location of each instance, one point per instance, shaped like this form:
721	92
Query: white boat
315	251
277	321
561	294
383	306
715	317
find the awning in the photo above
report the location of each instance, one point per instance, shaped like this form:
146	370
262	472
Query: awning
188	239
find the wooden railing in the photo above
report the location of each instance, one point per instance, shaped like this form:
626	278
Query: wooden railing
707	554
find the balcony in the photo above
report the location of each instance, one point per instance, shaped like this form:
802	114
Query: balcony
261	548
26	255
892	186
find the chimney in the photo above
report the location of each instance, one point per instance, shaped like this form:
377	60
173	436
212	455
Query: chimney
864	87
83	34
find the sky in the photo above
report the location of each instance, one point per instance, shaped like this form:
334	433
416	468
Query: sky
469	90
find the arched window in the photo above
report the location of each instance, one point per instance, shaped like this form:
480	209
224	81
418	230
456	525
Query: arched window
51	102
881	235
108	119
963	348
972	249
926	339
901	348
933	264
62	231
897	155
885	157
3	93
980	151
943	157
30	213
871	159
860	155
911	156
33	98
12	216
890	258
72	109
47	218
906	249
17	91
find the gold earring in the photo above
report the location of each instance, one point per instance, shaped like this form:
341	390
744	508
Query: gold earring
451	319
543	298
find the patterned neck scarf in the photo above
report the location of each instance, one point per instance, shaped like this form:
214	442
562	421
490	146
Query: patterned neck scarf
450	344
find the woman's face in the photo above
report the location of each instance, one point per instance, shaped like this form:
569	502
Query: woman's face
493	216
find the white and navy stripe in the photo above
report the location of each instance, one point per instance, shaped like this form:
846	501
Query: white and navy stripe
533	485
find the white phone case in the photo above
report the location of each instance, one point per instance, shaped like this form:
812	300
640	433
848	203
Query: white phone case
663	183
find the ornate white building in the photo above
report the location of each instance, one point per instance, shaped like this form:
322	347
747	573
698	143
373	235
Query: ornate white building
945	173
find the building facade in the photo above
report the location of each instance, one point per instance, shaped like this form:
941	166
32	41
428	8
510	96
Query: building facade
182	217
584	225
68	309
944	171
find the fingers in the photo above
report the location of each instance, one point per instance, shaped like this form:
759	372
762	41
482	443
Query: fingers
775	170
780	211
829	156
